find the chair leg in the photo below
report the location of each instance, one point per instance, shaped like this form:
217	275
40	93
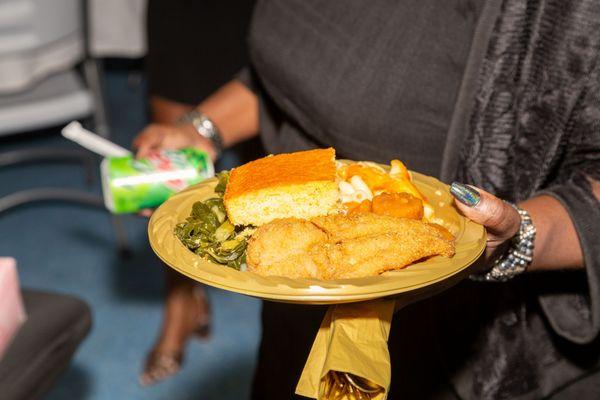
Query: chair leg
92	69
24	197
13	157
123	247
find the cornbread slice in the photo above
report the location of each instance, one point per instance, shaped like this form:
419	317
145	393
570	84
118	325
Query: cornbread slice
301	185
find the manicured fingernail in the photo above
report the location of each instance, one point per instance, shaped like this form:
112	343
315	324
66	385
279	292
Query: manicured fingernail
465	194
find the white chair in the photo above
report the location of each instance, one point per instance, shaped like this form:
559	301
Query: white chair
47	79
41	44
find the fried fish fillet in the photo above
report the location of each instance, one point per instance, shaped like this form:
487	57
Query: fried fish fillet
339	246
373	255
281	248
341	227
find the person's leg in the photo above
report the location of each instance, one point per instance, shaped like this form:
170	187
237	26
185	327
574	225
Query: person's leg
288	332
187	310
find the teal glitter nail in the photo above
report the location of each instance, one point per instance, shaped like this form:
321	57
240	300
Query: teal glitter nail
465	194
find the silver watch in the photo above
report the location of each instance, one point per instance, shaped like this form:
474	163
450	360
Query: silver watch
205	128
517	257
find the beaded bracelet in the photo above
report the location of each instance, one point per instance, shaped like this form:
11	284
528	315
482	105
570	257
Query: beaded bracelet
517	257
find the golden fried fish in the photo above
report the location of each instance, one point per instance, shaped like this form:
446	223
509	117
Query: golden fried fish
281	248
344	246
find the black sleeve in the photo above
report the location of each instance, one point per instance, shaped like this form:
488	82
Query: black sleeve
576	317
247	78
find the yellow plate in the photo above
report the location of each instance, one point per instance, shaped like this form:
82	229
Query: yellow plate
428	275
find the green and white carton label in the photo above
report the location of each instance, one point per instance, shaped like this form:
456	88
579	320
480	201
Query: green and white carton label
131	184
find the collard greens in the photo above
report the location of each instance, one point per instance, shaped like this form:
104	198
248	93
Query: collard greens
208	233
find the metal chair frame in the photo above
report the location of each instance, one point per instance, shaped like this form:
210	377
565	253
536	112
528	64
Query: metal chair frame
92	72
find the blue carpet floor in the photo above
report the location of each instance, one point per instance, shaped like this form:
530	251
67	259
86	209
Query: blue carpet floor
71	249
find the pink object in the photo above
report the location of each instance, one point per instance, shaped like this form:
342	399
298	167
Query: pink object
12	312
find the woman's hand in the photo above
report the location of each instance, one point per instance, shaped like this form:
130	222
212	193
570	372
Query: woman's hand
556	246
500	219
157	137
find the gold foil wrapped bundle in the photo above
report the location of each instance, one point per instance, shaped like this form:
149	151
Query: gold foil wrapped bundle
350	357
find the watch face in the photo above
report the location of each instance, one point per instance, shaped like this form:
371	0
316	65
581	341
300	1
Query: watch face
200	124
208	126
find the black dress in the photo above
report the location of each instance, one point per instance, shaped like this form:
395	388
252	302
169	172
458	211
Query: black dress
525	122
195	46
376	80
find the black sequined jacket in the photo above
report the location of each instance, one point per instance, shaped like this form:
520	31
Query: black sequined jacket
527	121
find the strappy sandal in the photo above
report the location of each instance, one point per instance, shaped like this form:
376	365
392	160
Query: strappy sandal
160	365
